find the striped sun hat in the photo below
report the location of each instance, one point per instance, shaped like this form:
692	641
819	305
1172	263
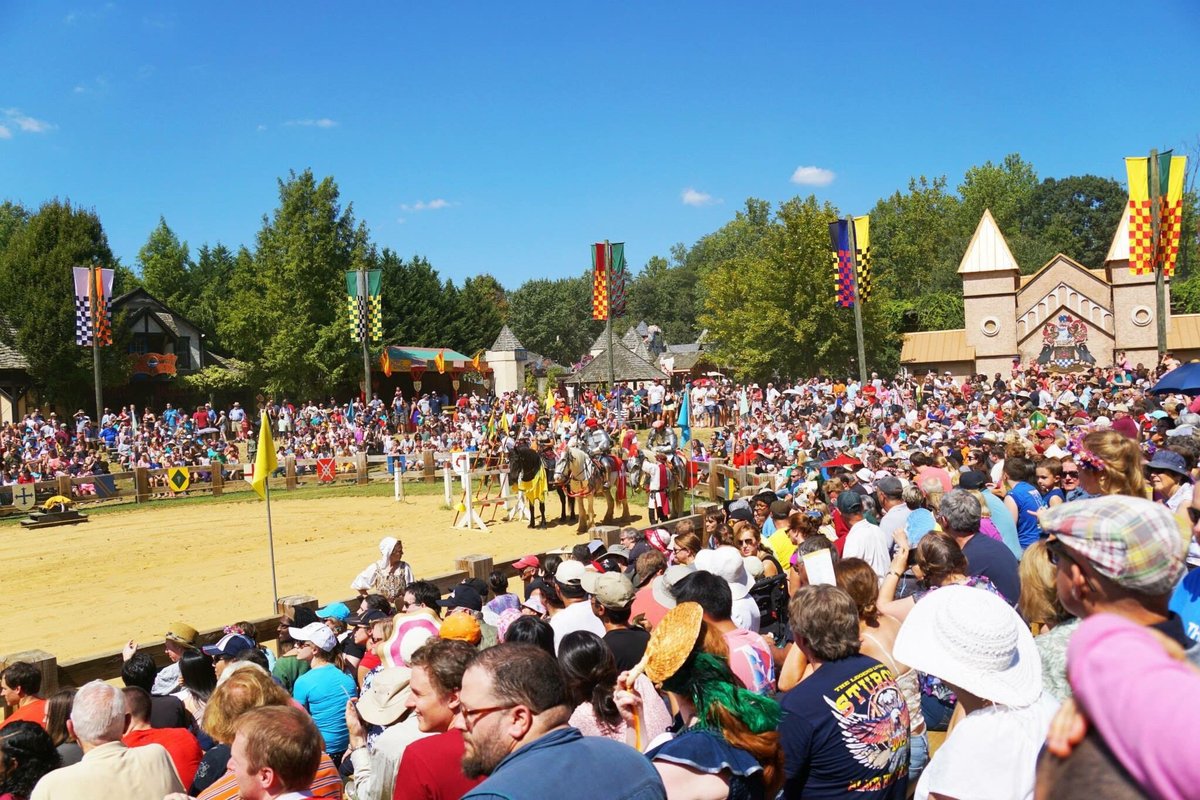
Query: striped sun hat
1138	544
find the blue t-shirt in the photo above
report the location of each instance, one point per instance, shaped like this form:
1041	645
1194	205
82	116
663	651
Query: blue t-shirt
839	724
1028	499
1186	603
323	692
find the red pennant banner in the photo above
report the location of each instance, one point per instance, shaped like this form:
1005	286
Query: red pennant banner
326	470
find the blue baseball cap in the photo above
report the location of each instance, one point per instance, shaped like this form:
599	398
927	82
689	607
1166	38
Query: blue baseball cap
339	611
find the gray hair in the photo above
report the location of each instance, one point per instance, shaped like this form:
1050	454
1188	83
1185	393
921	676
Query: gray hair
98	713
961	511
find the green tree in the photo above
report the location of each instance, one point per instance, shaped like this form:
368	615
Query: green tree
211	278
554	317
37	296
915	249
165	263
13	217
287	312
666	294
482	310
416	309
1007	189
770	308
1075	216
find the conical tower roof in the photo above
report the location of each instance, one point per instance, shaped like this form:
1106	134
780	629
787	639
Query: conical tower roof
1119	249
506	342
988	251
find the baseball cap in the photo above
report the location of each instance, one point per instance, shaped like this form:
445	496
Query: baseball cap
461	626
570	572
231	644
1138	544
339	611
850	503
365	619
780	509
889	486
317	632
527	561
463	596
611	589
973	479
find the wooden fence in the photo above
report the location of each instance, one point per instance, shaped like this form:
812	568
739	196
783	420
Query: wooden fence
107	666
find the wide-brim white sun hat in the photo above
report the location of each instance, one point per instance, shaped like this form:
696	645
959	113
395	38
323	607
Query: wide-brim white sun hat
974	640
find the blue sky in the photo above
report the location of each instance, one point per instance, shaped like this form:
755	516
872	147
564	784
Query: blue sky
504	137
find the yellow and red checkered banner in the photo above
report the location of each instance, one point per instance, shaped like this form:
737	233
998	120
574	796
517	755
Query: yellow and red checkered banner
1171	220
1143	258
600	259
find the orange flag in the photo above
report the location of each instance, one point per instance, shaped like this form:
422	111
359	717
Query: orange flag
386	363
440	361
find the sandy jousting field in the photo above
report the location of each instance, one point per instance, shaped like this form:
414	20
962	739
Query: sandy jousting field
85	589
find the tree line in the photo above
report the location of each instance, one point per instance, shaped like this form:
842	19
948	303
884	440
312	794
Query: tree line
761	285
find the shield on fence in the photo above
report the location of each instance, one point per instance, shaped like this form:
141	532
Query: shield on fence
24	497
326	470
179	478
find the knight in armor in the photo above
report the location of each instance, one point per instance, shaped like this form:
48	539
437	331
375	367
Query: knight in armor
596	442
662	440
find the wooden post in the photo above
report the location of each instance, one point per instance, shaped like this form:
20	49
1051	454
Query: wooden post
609	534
702	509
714	478
288	602
64	485
218	480
360	466
141	484
289	466
429	465
475	565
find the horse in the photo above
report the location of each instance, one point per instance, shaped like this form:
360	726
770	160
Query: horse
523	469
575	470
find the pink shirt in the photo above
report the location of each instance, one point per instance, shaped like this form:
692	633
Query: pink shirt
750	660
1145	704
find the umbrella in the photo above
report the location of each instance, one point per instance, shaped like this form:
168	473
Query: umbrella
843	460
793	391
1184	379
207	430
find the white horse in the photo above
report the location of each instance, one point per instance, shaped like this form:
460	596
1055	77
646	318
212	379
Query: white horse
639	471
582	479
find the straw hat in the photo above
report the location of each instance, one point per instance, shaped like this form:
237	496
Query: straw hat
972	639
671	642
384	702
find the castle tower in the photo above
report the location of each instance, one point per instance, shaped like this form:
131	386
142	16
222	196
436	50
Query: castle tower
990	279
1133	304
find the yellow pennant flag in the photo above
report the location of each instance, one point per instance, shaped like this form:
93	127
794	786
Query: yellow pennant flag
551	400
440	361
265	461
1141	225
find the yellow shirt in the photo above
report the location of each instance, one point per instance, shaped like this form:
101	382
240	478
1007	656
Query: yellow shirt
781	545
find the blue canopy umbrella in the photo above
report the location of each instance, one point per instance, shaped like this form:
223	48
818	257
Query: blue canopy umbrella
1184	379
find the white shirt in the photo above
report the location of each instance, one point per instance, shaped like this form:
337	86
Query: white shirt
970	764
871	544
893	521
575	617
745	614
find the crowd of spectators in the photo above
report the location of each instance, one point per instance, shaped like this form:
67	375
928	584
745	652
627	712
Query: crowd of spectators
952	589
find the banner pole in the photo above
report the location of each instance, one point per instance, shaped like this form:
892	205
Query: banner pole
1160	283
95	321
364	308
271	542
858	328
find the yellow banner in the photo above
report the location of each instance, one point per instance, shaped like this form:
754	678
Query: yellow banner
1141	227
179	478
1171	218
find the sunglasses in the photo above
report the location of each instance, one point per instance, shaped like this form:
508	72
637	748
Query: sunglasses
747	541
1070	474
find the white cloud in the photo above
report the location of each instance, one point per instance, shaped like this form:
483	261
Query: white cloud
26	123
323	122
261	128
5	133
813	176
695	197
80	89
432	205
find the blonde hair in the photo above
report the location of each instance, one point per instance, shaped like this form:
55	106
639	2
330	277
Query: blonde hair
242	691
1123	467
1039	604
984	511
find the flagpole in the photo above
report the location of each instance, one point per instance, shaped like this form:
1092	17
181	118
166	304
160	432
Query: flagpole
271	543
858	330
612	379
364	308
1160	283
95	321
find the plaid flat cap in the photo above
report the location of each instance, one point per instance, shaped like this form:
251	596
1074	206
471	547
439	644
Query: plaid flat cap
1138	544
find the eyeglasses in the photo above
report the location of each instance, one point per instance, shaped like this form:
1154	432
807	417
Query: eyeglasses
1058	553
747	541
471	716
1070	474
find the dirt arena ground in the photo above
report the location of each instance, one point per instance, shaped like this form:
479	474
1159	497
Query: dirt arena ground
86	589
